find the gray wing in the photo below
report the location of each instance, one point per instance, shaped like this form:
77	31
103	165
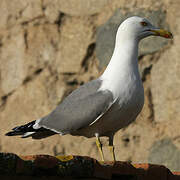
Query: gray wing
79	109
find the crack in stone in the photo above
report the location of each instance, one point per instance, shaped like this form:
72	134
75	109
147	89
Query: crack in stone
146	72
1	43
68	73
31	20
4	100
43	6
59	20
89	53
31	77
25	39
151	105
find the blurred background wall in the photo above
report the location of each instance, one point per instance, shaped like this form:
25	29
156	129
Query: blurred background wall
48	48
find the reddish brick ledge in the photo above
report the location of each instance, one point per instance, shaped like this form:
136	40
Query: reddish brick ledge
79	166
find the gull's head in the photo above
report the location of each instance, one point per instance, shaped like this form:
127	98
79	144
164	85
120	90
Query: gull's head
138	28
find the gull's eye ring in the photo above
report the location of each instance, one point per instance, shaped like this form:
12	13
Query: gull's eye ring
144	23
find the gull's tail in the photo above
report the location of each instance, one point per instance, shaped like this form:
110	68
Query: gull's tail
28	130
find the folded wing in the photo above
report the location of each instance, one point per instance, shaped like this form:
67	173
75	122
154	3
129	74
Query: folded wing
79	109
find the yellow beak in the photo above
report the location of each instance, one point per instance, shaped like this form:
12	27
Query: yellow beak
162	33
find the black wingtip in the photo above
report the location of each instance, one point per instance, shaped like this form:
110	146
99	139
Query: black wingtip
8	134
20	130
17	127
27	130
13	133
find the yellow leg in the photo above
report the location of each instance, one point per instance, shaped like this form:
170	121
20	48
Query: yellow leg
111	148
99	146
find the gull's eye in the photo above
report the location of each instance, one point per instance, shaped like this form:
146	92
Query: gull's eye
144	23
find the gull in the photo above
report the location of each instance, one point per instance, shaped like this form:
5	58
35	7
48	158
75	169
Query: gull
102	106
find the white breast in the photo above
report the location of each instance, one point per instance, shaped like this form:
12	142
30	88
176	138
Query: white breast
129	103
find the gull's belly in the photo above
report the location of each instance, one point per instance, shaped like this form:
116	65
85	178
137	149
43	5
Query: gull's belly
124	110
121	115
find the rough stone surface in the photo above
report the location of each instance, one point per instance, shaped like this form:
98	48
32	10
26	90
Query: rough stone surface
48	48
76	34
166	153
166	71
106	34
18	11
42	45
81	7
51	10
12	69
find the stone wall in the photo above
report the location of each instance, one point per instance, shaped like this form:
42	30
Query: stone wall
48	48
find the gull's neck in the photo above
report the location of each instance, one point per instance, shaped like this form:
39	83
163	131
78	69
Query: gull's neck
123	66
124	59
